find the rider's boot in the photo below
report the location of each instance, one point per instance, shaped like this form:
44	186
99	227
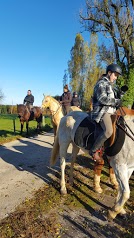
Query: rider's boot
96	150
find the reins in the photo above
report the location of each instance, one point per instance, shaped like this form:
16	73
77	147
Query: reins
125	125
56	110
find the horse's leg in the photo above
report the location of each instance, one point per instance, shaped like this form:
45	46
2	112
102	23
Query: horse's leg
123	193
97	173
63	153
75	151
55	130
22	123
113	178
40	122
130	171
27	127
40	125
37	129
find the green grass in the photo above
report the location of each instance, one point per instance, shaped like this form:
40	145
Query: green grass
7	127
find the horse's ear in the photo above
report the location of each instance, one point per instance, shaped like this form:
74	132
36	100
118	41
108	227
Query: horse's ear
43	94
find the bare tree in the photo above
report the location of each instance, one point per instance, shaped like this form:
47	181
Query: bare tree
1	95
115	20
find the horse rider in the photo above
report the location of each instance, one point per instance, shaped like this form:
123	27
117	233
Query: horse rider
75	100
29	100
104	105
66	99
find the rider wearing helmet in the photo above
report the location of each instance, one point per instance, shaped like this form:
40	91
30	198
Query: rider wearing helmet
104	105
75	100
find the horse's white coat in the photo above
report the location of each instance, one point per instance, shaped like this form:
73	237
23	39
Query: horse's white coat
122	163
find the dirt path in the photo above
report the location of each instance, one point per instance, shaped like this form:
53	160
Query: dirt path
24	167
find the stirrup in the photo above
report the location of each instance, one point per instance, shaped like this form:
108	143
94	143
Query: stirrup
97	155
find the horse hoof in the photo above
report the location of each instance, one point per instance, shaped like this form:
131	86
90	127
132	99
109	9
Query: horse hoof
111	215
98	189
115	186
122	212
63	192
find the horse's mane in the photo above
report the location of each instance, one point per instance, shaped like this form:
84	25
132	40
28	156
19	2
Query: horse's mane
53	99
21	105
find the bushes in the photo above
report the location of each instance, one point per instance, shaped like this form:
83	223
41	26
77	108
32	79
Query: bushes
8	109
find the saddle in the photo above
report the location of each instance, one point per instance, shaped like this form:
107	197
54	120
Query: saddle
88	131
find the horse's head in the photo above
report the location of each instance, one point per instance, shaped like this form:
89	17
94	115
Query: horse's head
46	102
21	108
23	112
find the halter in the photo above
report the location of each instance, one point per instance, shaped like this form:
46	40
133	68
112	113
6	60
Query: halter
130	133
55	112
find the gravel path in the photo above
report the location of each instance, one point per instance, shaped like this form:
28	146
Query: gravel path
24	168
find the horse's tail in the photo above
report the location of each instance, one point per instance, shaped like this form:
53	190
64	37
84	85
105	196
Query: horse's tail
55	151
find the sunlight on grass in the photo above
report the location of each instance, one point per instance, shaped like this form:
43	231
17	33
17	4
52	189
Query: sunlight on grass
7	123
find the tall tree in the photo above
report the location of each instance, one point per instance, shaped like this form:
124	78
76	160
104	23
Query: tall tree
1	95
115	20
77	65
65	78
94	71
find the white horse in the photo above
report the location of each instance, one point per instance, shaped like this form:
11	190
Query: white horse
122	163
53	107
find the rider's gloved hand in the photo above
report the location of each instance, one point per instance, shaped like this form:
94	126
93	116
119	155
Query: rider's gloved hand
118	103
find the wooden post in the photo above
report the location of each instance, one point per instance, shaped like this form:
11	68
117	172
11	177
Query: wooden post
14	125
43	120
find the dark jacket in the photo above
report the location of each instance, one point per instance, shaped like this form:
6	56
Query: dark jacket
29	99
66	98
75	102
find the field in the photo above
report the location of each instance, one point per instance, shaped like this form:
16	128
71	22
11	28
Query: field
7	132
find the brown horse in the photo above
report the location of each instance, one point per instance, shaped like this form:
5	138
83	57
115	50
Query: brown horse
26	115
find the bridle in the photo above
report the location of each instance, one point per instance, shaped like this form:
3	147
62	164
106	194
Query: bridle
53	113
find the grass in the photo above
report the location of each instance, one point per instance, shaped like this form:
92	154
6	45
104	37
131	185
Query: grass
7	127
43	215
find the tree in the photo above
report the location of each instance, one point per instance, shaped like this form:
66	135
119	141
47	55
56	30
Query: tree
128	98
65	78
115	20
94	71
77	66
1	95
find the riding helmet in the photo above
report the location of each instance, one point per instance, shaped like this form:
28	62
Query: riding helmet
114	68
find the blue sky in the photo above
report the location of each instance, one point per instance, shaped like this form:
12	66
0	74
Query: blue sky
36	37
